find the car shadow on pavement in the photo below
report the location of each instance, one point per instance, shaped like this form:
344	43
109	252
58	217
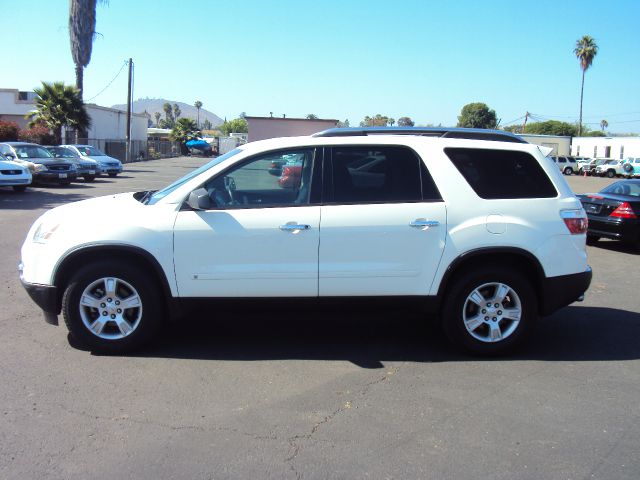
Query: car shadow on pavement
35	199
369	338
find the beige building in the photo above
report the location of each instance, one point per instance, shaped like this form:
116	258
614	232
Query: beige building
261	128
560	145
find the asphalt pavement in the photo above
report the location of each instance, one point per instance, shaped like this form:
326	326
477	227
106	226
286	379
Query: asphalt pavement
317	395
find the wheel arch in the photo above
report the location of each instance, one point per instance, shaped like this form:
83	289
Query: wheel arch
523	260
131	254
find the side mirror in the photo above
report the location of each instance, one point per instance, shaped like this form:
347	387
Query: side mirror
199	199
9	156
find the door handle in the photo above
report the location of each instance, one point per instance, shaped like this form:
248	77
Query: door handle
292	227
422	223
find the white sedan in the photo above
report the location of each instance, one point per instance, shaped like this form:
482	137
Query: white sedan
13	174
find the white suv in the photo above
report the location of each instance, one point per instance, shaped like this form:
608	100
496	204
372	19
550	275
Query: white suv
475	226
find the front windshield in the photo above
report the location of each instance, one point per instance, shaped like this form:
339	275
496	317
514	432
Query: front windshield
32	151
181	181
90	151
62	152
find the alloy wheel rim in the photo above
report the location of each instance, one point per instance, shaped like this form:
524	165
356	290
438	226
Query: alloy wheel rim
492	312
110	308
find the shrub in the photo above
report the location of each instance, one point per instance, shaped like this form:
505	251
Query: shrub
8	131
37	134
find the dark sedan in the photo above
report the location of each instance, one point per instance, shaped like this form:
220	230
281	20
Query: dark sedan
613	212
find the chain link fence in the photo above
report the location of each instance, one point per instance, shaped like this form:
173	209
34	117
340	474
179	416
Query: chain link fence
140	149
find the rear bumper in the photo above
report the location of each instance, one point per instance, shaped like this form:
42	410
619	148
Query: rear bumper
54	177
625	229
558	292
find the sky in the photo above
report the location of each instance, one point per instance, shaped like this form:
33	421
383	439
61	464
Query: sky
343	59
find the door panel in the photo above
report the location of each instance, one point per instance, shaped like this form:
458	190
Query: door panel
371	250
245	253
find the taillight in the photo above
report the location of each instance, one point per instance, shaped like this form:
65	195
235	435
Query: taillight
575	220
624	210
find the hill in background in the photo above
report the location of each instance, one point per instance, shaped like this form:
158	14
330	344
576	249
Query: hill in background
153	105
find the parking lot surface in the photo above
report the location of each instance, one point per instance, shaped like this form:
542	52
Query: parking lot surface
286	395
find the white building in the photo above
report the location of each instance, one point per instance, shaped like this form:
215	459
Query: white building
560	145
106	123
261	128
606	147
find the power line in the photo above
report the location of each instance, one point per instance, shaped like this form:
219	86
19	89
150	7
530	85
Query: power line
109	84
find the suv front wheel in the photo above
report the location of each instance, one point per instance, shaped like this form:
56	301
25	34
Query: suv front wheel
489	312
111	307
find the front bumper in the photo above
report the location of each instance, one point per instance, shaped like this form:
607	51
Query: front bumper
55	176
46	297
558	292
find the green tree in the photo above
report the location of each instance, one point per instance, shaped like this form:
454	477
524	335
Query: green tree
391	122
176	111
603	124
585	51
59	105
344	124
184	130
198	106
405	122
377	121
237	125
82	30
157	115
311	116
550	127
206	125
477	115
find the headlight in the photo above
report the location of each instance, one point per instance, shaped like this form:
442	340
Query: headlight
40	167
44	232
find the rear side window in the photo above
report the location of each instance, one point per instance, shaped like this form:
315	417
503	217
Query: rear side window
502	174
379	174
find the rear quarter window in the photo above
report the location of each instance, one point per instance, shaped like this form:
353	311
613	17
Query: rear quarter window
502	174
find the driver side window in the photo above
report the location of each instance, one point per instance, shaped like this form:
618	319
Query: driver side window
276	179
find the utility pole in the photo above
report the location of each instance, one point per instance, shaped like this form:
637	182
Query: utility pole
128	133
526	117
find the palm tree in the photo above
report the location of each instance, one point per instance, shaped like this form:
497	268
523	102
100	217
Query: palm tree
82	30
176	111
198	106
157	115
603	124
59	105
184	130
586	49
168	113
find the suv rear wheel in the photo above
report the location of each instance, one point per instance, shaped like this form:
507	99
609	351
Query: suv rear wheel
568	171
489	312
111	307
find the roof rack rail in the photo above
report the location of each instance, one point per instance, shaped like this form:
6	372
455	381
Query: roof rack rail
465	133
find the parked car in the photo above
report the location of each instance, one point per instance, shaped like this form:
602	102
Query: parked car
582	162
631	167
291	174
13	174
108	165
610	168
474	226
86	167
590	168
43	167
613	212
567	165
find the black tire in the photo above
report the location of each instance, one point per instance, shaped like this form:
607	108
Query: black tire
89	178
144	320
19	188
113	174
484	280
611	173
627	167
568	171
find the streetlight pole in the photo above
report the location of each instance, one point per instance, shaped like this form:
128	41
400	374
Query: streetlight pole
128	133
